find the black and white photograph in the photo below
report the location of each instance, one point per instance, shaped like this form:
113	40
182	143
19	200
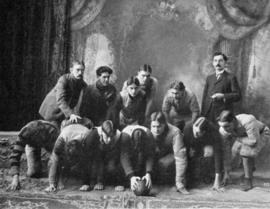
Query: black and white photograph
142	104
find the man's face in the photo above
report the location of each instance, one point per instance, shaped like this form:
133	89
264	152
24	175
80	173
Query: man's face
73	148
143	77
132	90
228	127
77	71
176	94
104	78
218	62
157	128
198	132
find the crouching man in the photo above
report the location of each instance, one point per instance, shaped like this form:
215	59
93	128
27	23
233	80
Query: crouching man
32	137
170	150
113	161
203	142
142	148
249	136
74	145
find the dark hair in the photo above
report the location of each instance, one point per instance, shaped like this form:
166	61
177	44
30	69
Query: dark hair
75	61
108	128
146	68
226	116
178	85
159	117
138	136
202	123
220	53
104	69
133	80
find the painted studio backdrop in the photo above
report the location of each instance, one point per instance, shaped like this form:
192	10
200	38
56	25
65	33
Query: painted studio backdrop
176	37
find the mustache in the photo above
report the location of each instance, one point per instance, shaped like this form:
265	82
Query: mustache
218	65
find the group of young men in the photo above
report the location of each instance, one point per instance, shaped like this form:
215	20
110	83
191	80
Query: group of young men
118	138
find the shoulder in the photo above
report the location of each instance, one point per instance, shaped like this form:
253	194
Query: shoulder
173	130
244	119
190	93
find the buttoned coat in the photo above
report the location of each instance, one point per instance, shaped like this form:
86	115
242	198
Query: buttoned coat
226	84
61	100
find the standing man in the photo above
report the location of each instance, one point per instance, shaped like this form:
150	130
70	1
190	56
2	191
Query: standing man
221	90
148	84
99	97
63	101
180	105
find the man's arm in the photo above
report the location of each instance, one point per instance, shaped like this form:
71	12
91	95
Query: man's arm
194	107
62	96
235	94
125	155
204	98
150	99
54	163
166	106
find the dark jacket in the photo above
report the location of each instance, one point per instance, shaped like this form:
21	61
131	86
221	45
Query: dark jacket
96	101
60	101
119	151
36	133
142	152
211	137
226	84
83	155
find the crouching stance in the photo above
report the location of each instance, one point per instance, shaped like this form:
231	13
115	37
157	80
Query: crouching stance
142	148
170	150
249	136
113	161
32	137
74	145
203	142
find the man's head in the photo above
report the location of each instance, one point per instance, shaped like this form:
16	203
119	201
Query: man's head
200	127
158	123
227	121
138	136
219	61
177	89
108	132
73	148
77	69
104	74
132	86
144	74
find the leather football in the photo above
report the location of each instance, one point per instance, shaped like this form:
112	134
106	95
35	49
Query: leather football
141	189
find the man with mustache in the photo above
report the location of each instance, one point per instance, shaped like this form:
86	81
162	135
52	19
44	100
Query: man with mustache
221	89
63	101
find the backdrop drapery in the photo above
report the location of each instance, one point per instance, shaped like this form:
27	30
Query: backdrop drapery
34	53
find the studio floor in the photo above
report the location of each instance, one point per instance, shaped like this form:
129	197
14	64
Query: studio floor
32	196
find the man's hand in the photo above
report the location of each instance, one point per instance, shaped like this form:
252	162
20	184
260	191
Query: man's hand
15	184
50	188
74	118
133	182
148	181
217	96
